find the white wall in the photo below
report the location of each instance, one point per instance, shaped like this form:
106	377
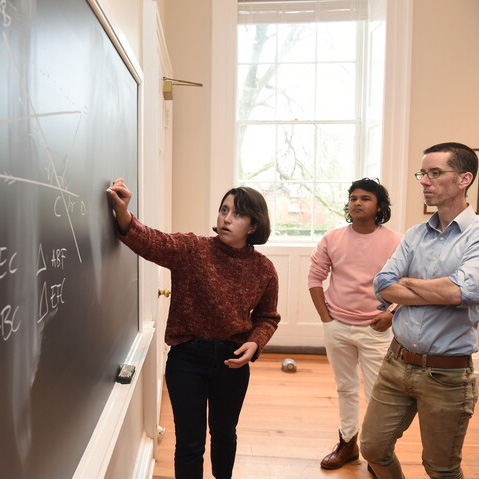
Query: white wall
188	35
444	84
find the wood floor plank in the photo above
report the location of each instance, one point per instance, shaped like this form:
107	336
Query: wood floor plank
289	423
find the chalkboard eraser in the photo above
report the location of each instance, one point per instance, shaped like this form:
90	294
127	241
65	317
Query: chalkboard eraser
126	374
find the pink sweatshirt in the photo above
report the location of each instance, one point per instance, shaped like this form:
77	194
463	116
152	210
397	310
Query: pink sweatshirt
353	259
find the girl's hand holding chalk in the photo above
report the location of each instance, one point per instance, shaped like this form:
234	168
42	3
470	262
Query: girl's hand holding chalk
120	196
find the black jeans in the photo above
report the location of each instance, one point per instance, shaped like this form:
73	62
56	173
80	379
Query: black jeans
198	380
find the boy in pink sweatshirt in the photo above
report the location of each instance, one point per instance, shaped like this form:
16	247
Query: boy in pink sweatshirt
355	332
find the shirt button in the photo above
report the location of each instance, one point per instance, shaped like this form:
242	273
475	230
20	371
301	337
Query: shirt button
415	345
441	238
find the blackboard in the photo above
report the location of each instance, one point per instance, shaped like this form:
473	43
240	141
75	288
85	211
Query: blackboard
68	288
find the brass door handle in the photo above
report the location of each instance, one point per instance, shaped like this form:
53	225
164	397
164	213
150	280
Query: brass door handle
164	292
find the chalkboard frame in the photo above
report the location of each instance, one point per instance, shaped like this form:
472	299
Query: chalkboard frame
125	52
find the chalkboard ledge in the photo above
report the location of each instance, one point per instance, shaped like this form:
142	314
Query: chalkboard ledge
96	458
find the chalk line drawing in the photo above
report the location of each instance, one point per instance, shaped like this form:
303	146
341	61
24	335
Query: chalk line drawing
43	311
36	117
39	115
41	263
7	19
10	179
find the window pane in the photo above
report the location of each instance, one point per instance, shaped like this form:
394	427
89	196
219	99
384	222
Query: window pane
336	86
256	92
295	153
257	43
336	153
329	201
297	42
337	41
256	152
296	92
293	210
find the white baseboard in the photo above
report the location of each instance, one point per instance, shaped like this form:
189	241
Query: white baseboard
145	463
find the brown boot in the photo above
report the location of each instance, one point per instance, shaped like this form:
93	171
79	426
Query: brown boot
343	452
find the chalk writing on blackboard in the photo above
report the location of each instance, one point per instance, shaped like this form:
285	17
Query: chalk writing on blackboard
8	315
51	297
7	20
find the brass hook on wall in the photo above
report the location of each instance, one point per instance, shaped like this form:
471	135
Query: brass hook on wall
168	86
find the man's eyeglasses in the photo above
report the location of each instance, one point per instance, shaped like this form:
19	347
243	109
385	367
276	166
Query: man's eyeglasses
434	174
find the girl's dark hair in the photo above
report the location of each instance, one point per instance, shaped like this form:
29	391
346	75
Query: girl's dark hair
382	195
251	203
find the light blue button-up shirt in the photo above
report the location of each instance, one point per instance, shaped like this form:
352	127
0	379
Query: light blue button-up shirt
428	253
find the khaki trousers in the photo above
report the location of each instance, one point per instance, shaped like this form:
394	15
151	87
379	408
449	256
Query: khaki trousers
444	401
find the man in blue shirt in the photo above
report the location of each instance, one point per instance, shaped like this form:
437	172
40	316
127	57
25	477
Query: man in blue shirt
433	277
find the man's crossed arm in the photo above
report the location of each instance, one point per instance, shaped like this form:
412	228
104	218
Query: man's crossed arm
420	292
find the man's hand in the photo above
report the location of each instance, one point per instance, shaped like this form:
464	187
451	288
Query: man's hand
245	353
317	295
382	322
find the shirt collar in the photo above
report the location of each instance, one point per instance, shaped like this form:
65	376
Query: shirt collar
462	220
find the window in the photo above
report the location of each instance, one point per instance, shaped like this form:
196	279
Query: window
300	120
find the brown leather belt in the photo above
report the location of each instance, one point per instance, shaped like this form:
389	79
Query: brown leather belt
425	360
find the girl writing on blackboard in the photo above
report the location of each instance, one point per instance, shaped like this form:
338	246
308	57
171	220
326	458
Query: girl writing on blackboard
222	313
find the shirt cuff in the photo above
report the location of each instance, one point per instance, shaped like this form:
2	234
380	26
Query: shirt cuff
383	280
466	297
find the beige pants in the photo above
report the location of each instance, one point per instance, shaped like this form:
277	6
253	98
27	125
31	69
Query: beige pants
349	347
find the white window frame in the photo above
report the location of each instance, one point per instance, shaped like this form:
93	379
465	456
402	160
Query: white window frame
311	11
398	17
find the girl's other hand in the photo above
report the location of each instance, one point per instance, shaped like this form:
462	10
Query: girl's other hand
245	353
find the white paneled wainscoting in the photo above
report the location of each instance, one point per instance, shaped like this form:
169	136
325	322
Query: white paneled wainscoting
300	329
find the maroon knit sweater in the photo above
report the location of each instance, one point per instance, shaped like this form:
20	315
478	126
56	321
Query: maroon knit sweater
217	292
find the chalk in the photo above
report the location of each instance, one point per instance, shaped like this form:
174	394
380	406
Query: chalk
109	190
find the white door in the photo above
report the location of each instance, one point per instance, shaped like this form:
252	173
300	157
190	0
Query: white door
156	174
164	185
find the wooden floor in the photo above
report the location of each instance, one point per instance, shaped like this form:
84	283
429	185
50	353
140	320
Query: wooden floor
289	422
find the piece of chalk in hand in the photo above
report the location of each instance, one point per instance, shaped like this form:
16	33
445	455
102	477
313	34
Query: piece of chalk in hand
109	190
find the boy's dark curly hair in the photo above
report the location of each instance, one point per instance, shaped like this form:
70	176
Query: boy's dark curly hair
382	195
